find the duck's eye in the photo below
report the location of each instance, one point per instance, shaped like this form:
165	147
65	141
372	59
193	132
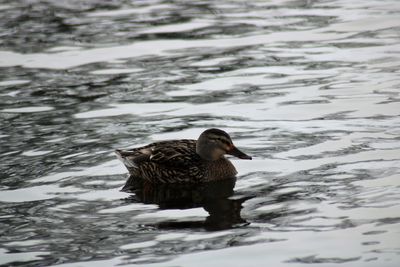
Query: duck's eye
217	139
224	141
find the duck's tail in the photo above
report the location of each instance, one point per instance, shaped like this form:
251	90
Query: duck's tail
128	157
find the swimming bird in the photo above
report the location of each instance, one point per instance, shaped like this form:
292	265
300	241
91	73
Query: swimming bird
184	160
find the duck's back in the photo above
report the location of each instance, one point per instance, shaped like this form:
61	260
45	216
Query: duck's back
174	161
170	161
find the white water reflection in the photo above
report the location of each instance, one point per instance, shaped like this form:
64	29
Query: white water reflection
367	107
71	59
115	71
26	109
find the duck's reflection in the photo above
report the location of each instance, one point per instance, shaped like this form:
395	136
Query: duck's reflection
215	197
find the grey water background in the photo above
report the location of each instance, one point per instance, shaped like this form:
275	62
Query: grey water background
310	89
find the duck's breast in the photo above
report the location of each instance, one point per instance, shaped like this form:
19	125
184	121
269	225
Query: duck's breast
220	169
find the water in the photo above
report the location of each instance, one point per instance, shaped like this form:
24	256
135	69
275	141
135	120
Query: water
310	89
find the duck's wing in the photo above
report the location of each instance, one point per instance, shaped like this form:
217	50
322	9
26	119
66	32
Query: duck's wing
172	153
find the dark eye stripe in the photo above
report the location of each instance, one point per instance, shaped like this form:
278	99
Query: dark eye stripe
223	140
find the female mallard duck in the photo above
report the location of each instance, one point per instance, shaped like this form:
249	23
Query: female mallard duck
183	161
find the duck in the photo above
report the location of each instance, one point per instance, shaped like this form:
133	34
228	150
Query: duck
183	160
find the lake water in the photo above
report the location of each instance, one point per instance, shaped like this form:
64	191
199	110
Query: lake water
310	89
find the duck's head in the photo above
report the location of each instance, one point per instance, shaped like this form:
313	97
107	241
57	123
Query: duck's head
213	144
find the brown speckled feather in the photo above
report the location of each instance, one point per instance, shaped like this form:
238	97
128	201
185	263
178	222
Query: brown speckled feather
174	161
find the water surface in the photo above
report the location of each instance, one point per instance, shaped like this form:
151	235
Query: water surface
310	89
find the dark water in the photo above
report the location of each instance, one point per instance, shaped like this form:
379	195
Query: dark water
310	89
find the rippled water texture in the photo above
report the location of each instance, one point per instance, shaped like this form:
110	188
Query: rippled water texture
310	89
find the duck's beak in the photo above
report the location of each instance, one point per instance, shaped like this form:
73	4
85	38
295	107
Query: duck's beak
234	151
